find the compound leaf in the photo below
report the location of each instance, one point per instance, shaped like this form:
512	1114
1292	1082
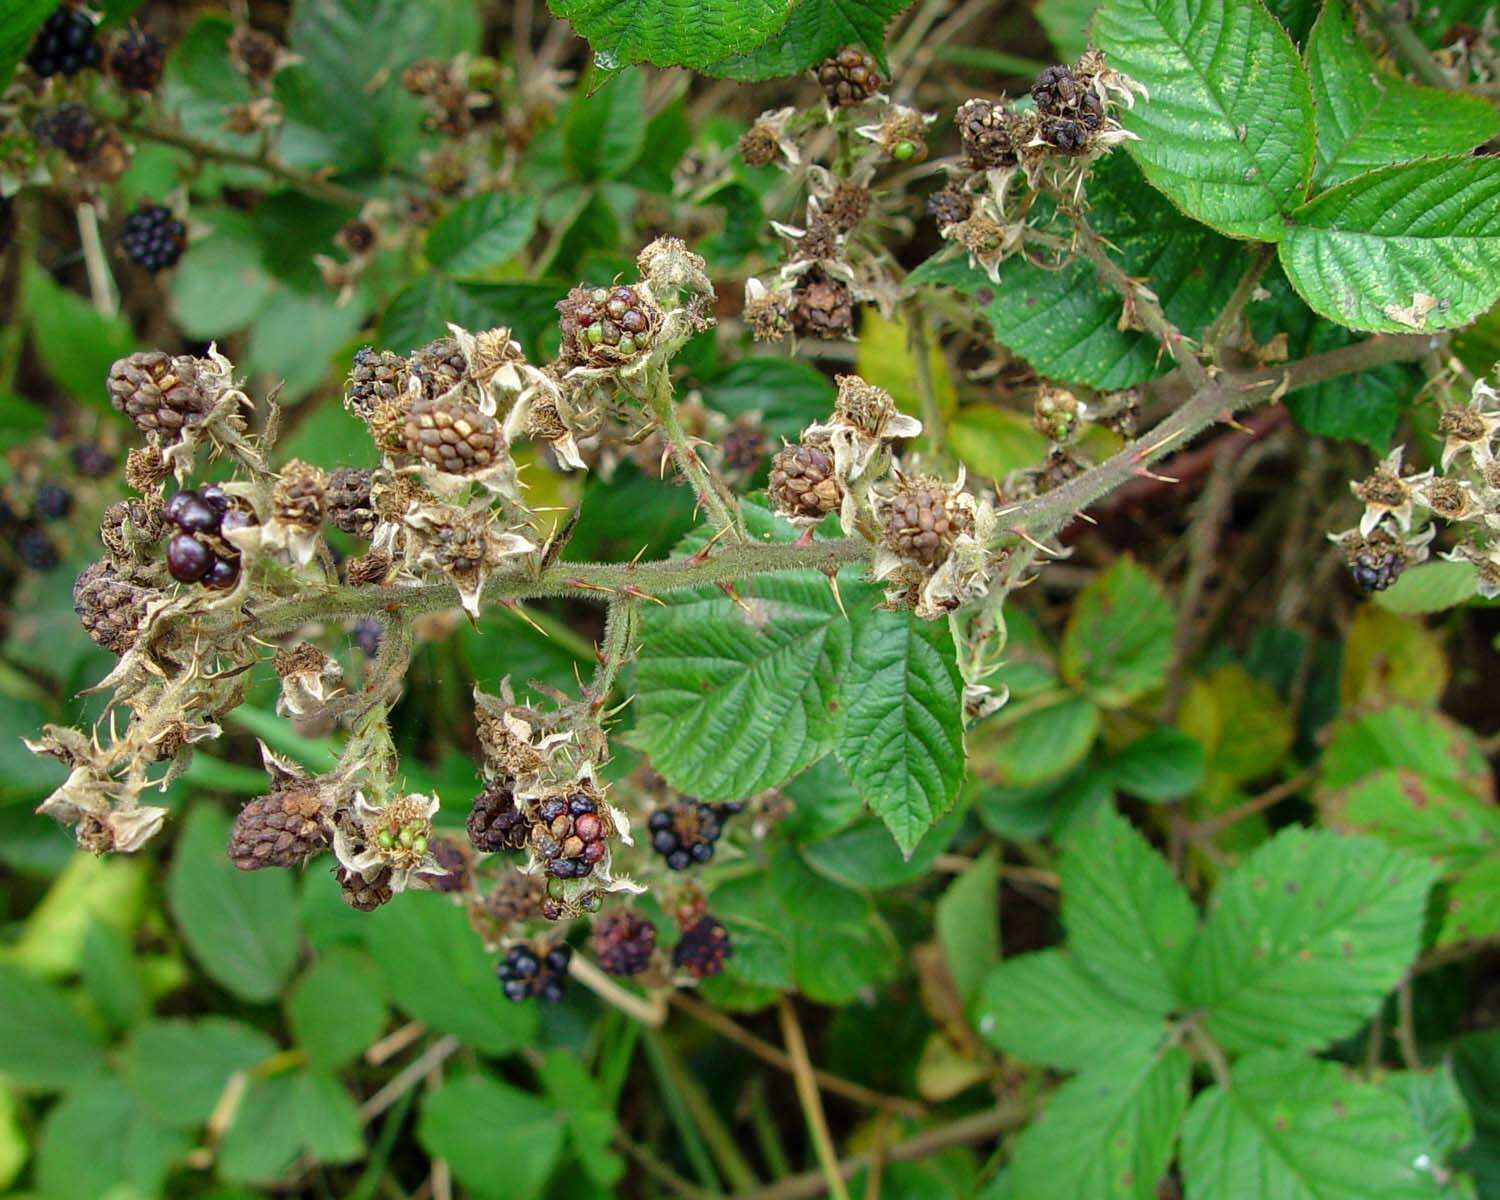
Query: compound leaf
1227	132
815	30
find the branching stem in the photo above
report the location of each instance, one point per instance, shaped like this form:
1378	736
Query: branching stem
711	494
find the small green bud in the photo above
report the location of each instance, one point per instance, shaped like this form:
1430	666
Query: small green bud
386	839
419	845
902	151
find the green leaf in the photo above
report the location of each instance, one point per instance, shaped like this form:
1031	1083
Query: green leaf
902	740
1430	587
1106	1134
733	699
1305	938
46	1043
1399	736
604	133
1437	1106
1239	720
438	972
1160	765
1368	117
787	393
1476	1064
1472	907
240	925
967	920
1227	132
112	976
284	1117
179	1068
1046	742
221	284
77	344
1118	642
13	1145
1290	1126
1128	920
815	30
337	1008
500	1141
481	232
1066	324
420	312
671	33
591	1121
863	855
995	441
1067	24
1045	1008
1435	818
1423	234
17	25
98	1142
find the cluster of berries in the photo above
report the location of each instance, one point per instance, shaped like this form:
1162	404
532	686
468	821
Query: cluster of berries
495	824
1071	111
525	973
198	552
609	323
1376	572
153	238
623	942
850	77
65	44
685	834
704	944
569	833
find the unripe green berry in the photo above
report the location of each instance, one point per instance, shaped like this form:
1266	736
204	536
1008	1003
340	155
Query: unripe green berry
902	151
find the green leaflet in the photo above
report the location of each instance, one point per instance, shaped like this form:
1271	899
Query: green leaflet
671	33
1118	641
1106	1134
481	233
1305	938
815	30
499	1140
1046	1008
1291	1126
1401	248
1367	117
1128	920
1227	132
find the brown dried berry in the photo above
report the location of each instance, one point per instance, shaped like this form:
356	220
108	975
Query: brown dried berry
364	894
950	206
514	897
452	435
847	206
109	608
377	380
821	306
850	77
253	54
495	823
456	876
283	828
439	367
298	497
159	394
989	133
1064	134
68	127
820	240
759	146
347	501
802	482
922	522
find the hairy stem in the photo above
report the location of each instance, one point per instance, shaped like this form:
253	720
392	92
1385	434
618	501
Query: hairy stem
711	494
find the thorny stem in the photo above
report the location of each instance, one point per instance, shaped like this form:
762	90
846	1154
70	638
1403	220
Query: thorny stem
807	1093
710	493
309	184
619	624
1224	324
1141	303
1040	517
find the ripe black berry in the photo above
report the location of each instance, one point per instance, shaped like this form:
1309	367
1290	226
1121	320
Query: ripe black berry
136	61
199	553
624	942
53	501
1375	573
35	549
153	238
703	947
188	559
685	834
64	45
524	973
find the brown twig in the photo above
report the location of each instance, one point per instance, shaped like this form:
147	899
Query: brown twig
764	1050
812	1102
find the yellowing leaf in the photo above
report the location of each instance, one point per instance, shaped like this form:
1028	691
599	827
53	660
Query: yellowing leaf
1390	657
885	359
